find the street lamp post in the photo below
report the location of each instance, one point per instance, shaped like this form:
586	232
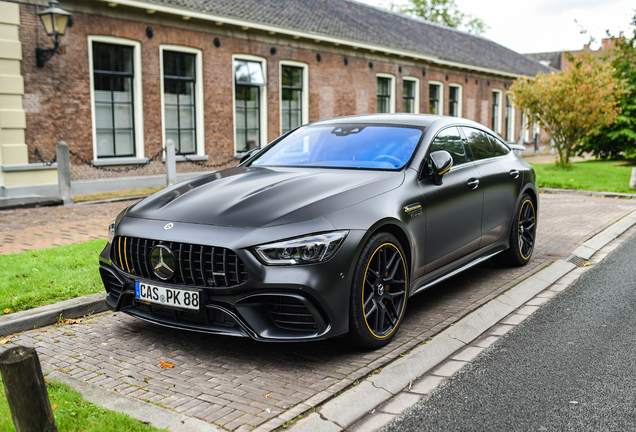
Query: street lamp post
55	20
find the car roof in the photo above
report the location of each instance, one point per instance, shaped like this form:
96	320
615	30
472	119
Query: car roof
400	119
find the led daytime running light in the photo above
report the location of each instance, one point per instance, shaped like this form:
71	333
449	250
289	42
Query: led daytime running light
306	250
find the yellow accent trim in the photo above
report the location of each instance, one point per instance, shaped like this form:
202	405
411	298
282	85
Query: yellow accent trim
125	255
410	209
535	227
363	288
446	170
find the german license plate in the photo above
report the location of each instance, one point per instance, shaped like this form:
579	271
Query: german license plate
167	296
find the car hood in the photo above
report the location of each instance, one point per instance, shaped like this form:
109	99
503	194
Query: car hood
265	196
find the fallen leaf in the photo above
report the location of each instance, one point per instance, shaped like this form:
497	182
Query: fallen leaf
7	310
54	406
267	395
165	365
68	334
410	385
56	341
104	343
4	341
71	321
43	330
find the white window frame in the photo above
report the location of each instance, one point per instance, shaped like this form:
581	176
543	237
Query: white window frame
525	127
198	95
262	101
460	99
416	101
392	89
498	118
511	121
441	96
305	95
138	101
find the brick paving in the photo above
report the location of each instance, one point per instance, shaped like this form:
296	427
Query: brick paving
243	385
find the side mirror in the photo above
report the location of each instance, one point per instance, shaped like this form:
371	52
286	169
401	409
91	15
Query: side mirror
441	161
249	154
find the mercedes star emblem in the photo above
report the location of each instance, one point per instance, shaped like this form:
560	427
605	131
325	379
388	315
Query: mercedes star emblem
163	262
168	226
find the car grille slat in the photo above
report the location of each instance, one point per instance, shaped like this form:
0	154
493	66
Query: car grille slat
199	265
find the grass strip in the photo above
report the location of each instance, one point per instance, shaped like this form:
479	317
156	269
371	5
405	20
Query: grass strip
116	194
40	277
75	414
594	175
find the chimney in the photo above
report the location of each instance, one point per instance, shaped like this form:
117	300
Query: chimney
586	47
608	43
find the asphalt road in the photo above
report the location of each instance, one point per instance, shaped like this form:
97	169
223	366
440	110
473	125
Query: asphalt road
570	366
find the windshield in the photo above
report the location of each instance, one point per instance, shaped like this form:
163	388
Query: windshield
350	146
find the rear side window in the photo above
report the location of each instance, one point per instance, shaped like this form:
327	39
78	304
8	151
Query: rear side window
450	140
500	148
479	143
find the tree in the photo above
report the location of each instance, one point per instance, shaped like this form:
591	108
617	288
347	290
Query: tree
571	104
443	12
619	139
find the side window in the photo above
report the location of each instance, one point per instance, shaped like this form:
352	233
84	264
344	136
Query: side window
479	143
449	140
500	148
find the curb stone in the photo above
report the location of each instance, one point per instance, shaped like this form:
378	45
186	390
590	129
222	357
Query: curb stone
146	412
354	404
49	314
588	193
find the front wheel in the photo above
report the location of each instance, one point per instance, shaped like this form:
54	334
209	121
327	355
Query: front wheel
522	236
378	292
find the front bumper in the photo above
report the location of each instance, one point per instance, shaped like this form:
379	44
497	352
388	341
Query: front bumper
273	303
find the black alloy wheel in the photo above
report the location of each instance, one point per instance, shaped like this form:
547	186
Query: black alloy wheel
378	292
522	235
527	233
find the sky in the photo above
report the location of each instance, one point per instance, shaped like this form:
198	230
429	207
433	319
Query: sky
546	25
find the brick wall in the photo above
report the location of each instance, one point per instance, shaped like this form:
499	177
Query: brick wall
57	97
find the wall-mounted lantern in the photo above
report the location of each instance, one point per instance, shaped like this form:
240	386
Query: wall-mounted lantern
55	20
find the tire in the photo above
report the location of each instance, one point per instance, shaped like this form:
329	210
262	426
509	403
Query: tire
378	292
523	234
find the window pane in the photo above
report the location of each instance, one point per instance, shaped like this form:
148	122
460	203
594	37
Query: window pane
105	145
409	88
434	91
122	89
174	136
408	106
241	72
432	107
383	86
187	142
479	143
122	59
170	66
252	97
249	72
124	143
256	73
252	139
101	57
186	117
252	118
123	116
383	105
241	119
240	140
286	78
295	119
499	147
286	121
452	93
450	140
103	116
171	116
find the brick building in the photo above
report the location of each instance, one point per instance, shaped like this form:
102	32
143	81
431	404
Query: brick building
220	78
559	61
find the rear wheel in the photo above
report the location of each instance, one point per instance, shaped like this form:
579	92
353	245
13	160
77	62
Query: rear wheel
523	234
378	293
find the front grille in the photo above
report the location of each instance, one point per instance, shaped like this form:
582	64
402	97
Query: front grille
198	265
111	282
289	313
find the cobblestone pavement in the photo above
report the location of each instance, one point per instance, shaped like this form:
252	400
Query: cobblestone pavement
243	385
42	227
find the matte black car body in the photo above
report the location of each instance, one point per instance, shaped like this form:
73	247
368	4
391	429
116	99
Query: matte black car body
442	230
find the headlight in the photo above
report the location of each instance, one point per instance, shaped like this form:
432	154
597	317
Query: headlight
111	232
306	250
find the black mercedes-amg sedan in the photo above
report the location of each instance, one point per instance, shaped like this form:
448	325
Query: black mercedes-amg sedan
326	231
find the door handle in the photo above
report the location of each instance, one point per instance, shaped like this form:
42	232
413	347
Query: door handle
473	183
514	174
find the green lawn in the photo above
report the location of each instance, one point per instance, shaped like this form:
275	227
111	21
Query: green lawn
594	175
72	413
40	277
